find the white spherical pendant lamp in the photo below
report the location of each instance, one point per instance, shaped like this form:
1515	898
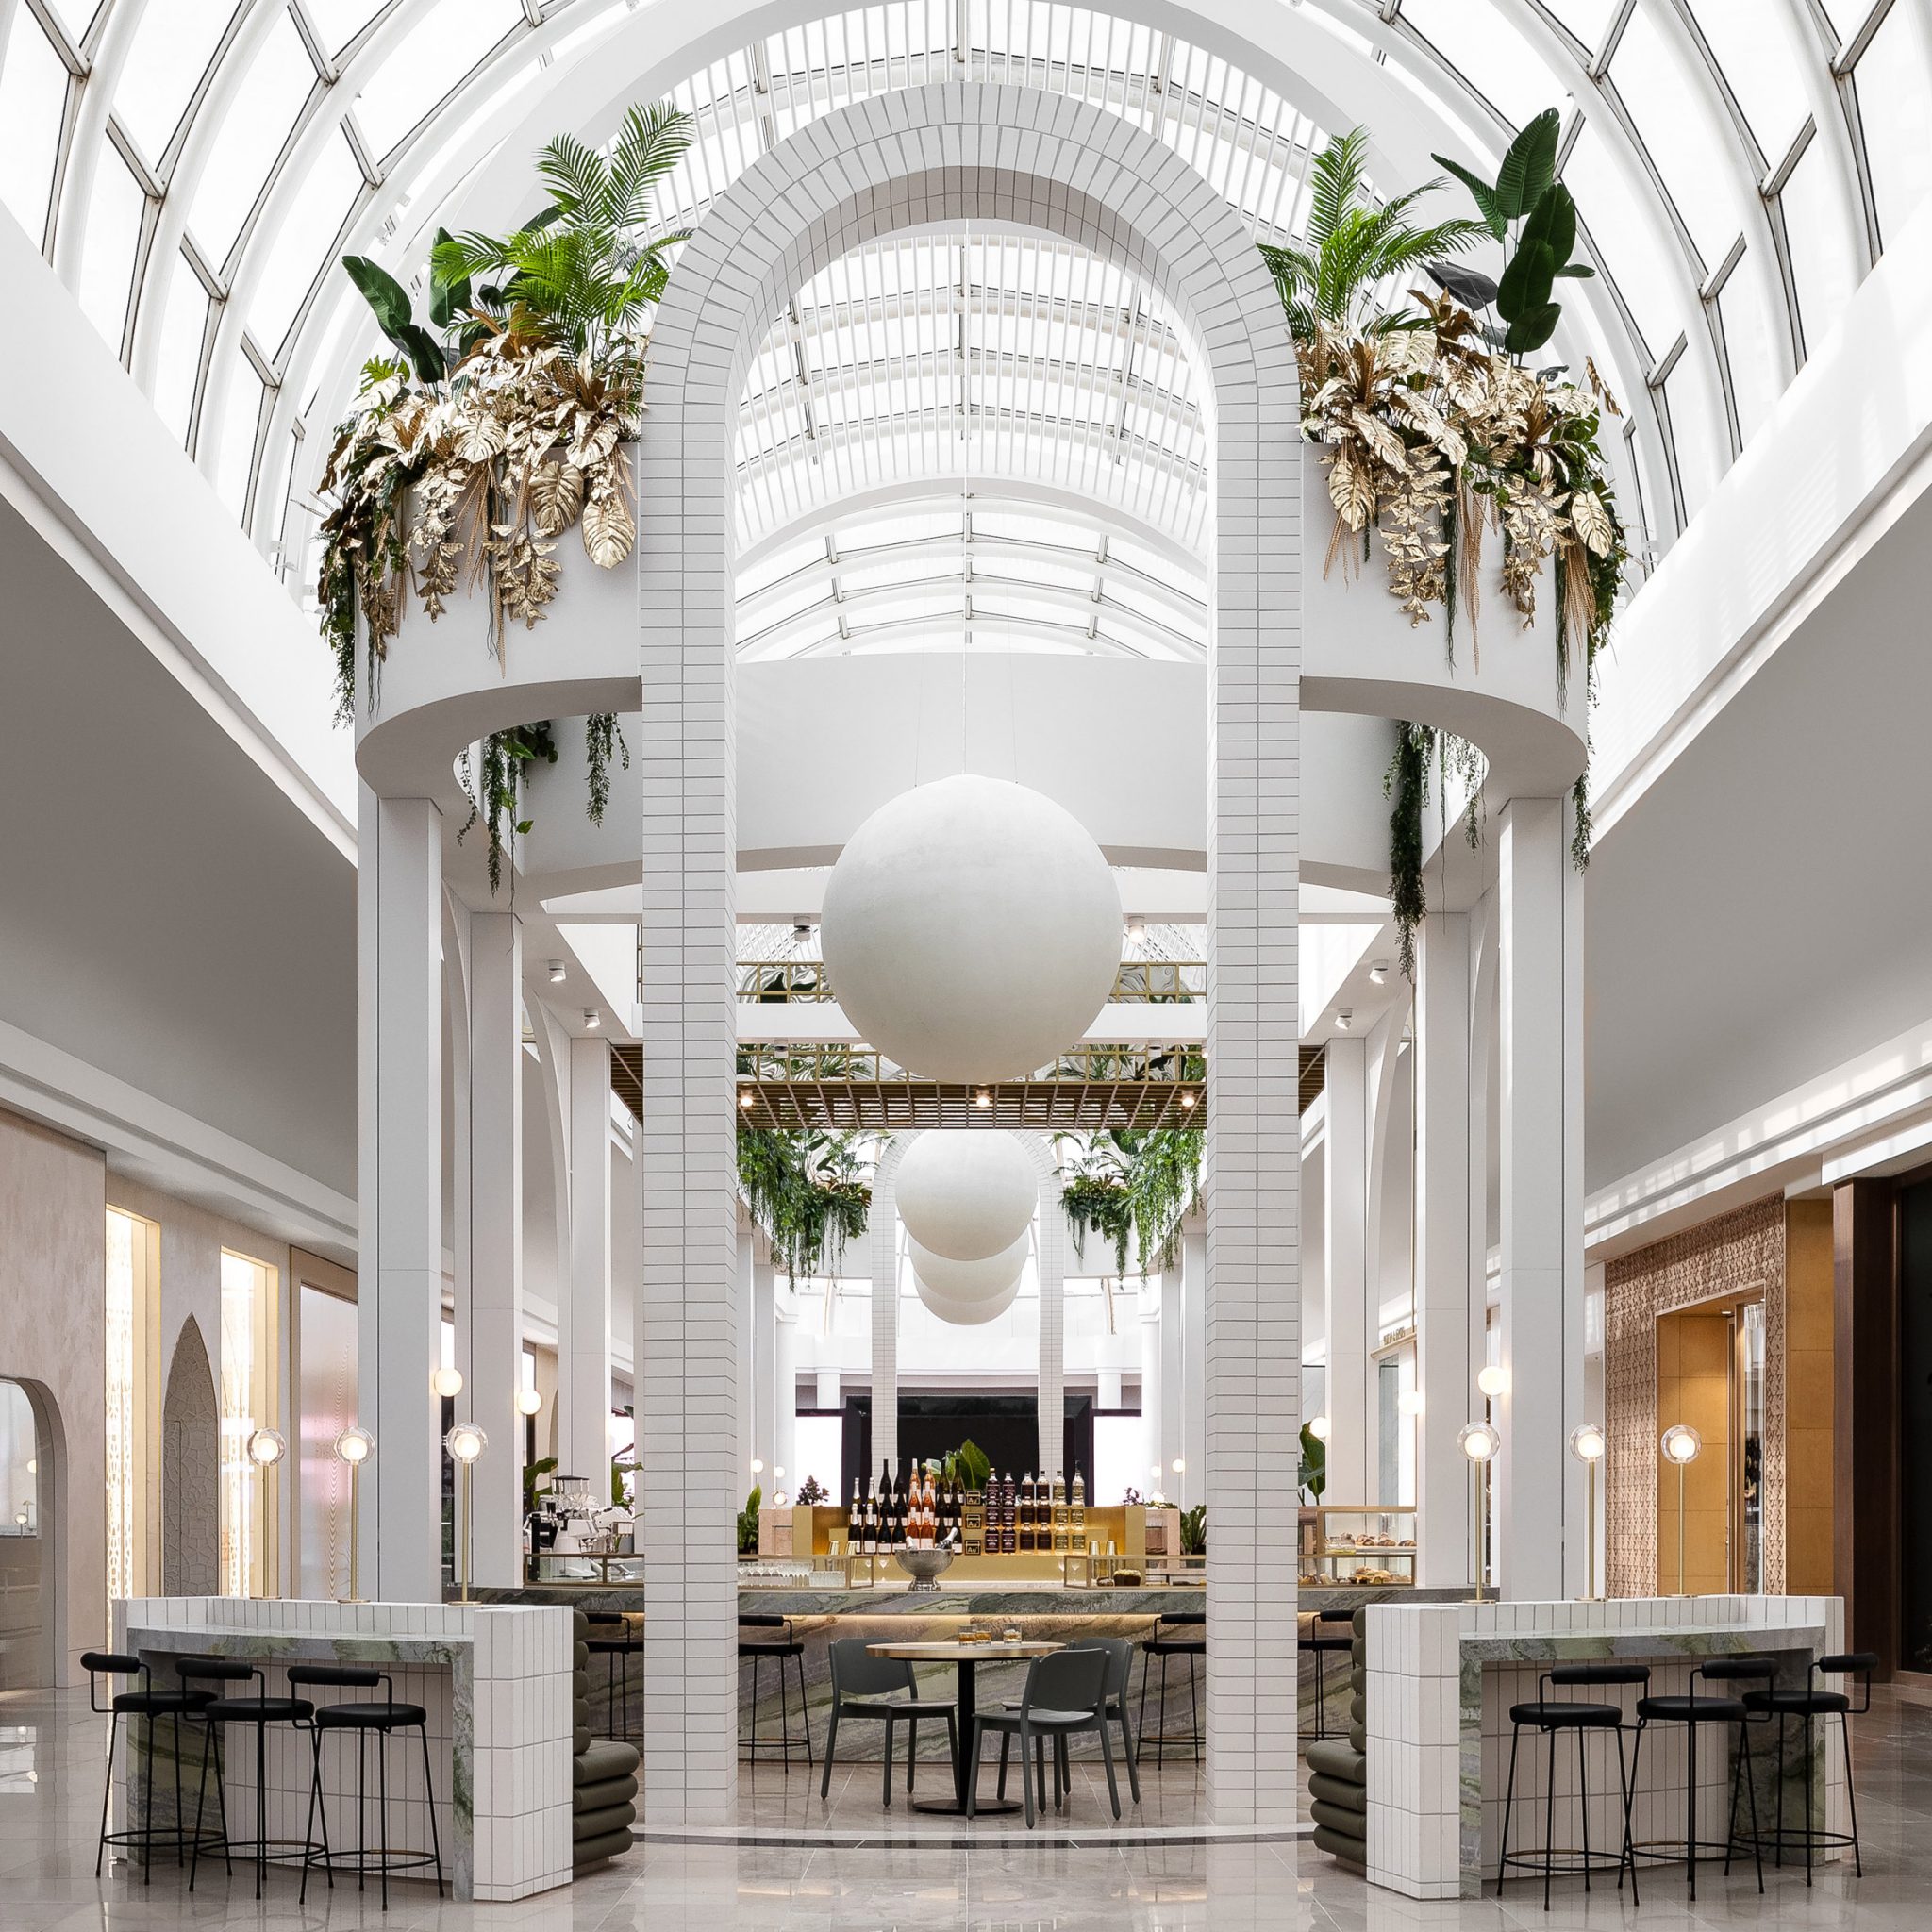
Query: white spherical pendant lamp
969	1281
966	1194
966	1314
972	929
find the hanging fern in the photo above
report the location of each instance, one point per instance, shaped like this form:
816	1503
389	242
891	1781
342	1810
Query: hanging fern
806	1191
1135	1188
495	792
1407	782
601	736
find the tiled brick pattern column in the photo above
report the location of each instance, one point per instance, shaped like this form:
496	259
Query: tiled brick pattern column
1009	155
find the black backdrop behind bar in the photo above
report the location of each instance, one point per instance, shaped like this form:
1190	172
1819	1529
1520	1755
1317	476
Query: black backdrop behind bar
1006	1427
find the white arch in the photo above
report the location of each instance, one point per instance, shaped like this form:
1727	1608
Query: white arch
1006	154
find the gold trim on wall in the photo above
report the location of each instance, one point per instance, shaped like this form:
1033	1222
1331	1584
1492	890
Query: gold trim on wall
1740	1252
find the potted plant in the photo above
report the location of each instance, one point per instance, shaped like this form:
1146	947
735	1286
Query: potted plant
748	1524
1446	460
501	420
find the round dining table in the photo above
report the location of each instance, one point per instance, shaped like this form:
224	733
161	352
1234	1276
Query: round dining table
966	1659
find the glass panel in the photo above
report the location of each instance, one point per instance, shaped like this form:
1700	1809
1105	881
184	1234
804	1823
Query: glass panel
303	241
240	416
428	61
1677	119
246	1287
33	96
1701	457
1751	1446
328	1407
1756	383
114	228
253	129
1890	77
177	360
1491	52
338	21
1586	19
173	45
1627	233
1759	49
1825	253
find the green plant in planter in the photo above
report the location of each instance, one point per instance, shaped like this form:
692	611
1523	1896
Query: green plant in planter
968	1467
495	792
1195	1531
748	1523
1355	247
1527	209
1314	1468
1133	1187
534	1474
808	1190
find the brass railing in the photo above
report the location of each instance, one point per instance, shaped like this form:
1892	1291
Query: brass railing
1154	981
802	1063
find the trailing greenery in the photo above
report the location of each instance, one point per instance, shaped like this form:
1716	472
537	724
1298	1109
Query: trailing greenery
497	425
493	783
748	1523
808	1190
1134	1189
1433	434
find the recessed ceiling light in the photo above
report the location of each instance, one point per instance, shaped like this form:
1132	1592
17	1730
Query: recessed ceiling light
556	973
744	1096
1187	1099
983	1098
1378	972
1345	1019
592	1019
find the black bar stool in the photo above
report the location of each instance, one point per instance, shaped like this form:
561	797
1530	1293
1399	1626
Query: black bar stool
1696	1711
151	1704
380	1717
779	1649
1321	1644
1550	1715
1815	1701
259	1710
1167	1641
612	1637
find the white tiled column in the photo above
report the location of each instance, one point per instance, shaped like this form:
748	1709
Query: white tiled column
1151	1380
583	1327
1542	1288
885	1308
687	1322
1253	1317
490	1355
1444	1372
1050	1260
1345	1277
399	966
1174	1377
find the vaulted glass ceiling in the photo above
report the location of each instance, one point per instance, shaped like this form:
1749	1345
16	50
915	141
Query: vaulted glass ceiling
194	169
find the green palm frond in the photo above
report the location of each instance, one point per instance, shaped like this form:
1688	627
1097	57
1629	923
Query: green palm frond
649	145
578	177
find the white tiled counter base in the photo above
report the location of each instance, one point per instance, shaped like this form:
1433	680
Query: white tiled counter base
495	1683
1441	1678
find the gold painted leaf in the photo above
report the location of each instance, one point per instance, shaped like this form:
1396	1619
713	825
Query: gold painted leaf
608	531
480	438
1350	492
1592	522
1382	439
557	496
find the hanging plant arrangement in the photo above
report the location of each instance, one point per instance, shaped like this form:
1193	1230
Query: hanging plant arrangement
499	424
1434	436
808	1190
1132	1188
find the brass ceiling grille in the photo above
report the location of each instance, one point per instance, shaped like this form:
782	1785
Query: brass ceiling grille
1314	1074
844	1089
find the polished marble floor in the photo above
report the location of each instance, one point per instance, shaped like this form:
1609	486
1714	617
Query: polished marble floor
50	1771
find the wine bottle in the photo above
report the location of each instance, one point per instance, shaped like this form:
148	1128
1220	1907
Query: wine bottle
1077	1525
1026	1514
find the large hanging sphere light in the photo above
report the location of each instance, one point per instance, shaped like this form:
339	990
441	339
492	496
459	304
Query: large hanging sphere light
972	929
966	1194
969	1281
967	1314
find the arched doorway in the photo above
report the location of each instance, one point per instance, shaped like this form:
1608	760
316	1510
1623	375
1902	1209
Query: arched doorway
191	1443
26	1526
